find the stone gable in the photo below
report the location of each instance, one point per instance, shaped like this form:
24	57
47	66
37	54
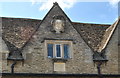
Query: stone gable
32	39
82	54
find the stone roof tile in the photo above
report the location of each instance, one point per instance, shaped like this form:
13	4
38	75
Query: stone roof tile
91	33
19	30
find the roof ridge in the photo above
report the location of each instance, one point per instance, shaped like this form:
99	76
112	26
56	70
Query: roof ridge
20	18
91	23
46	14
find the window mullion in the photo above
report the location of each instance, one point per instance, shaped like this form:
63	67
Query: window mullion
62	51
54	50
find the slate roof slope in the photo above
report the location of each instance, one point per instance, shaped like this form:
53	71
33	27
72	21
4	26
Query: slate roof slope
19	30
108	33
91	33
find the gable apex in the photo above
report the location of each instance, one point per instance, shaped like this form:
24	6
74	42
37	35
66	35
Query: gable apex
59	9
55	3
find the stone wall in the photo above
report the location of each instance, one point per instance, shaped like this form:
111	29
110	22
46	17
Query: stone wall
36	60
4	54
119	46
112	55
35	55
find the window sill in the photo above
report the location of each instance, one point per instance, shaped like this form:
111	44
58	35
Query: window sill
59	59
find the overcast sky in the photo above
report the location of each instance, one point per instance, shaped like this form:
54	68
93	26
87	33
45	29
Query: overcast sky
101	12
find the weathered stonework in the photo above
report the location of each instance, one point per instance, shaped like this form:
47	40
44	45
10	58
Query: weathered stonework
112	55
39	63
35	54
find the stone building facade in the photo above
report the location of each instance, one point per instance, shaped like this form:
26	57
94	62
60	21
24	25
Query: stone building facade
56	45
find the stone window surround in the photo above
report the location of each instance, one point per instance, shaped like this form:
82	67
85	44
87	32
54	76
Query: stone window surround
61	42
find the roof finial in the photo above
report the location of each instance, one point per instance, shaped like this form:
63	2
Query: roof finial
55	3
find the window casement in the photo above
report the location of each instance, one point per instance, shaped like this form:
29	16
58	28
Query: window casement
50	50
58	49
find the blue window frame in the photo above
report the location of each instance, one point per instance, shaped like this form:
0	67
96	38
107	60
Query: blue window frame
66	51
50	50
58	51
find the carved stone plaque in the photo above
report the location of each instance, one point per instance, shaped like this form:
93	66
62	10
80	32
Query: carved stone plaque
58	23
58	26
59	66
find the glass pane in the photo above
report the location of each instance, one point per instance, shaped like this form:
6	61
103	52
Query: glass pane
58	51
66	51
50	50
